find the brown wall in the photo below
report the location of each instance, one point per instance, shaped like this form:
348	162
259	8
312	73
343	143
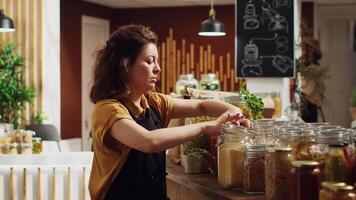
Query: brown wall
70	17
185	22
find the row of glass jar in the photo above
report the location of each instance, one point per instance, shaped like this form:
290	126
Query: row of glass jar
207	82
35	146
232	153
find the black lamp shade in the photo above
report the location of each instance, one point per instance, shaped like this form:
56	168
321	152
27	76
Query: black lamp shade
212	27
6	23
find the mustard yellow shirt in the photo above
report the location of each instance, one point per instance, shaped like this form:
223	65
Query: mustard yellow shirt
110	154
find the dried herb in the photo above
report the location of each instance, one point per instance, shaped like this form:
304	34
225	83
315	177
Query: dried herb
254	103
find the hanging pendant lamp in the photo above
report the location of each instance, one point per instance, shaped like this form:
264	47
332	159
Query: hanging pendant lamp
212	26
6	23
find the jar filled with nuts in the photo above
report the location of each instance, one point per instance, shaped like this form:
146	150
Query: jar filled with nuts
254	169
302	143
13	148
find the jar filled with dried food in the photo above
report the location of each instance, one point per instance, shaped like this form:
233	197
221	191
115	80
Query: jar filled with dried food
26	148
13	148
327	189
27	136
302	143
343	193
338	164
278	165
304	180
37	145
254	169
230	155
325	139
5	148
209	82
186	81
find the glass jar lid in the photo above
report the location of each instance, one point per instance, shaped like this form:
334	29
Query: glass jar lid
331	137
186	76
255	148
230	128
209	76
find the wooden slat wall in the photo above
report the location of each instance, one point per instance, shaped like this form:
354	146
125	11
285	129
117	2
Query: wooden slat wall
181	57
27	16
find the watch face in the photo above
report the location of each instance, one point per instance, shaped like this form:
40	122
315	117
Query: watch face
251	71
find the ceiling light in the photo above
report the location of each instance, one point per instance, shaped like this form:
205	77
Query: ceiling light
6	23
212	26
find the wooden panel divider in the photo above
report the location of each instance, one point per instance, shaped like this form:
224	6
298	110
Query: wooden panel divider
183	58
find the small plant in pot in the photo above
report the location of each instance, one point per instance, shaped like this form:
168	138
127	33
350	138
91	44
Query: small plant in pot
195	155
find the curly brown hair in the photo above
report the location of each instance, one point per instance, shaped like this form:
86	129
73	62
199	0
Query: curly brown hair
114	60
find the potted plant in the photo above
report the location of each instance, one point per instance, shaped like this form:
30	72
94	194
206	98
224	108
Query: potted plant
195	155
353	104
13	90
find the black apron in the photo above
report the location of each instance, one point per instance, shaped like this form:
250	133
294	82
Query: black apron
143	176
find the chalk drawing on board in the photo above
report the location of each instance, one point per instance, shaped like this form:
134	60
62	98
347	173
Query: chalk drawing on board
278	23
267	13
281	3
251	71
250	17
280	62
281	44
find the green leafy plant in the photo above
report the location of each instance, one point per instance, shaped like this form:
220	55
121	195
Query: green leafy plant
254	103
197	148
13	90
353	97
38	118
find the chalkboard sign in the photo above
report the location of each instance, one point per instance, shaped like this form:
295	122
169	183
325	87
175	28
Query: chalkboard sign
265	38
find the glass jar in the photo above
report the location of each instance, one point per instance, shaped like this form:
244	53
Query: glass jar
26	148
5	148
343	193
37	145
254	169
263	134
277	104
325	138
230	155
13	148
304	180
327	189
278	165
283	135
185	81
302	143
27	136
337	166
209	82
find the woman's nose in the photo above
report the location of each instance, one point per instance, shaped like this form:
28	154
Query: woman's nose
157	69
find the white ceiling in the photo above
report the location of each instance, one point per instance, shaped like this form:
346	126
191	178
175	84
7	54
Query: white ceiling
178	3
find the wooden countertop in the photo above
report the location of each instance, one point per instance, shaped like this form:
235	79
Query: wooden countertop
206	184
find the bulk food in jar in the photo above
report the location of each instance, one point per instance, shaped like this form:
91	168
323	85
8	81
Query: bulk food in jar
343	193
278	165
283	135
209	82
230	155
304	180
254	169
185	81
13	148
327	188
37	145
26	148
302	143
337	165
325	138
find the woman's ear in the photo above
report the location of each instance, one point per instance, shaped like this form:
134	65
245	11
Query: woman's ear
125	63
